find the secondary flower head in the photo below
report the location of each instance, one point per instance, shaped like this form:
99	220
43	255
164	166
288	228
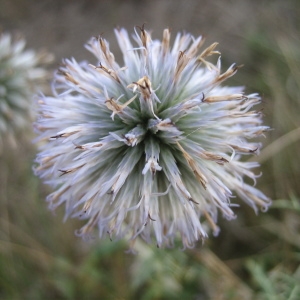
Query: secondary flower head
20	71
151	148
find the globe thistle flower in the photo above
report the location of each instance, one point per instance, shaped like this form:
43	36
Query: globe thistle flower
152	148
20	71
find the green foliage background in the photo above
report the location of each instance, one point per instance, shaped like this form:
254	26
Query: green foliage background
254	257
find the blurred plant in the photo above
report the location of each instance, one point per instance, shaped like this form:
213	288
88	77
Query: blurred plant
175	274
151	148
21	76
277	284
277	75
275	274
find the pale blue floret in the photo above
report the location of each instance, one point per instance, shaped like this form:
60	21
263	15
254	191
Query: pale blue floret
151	148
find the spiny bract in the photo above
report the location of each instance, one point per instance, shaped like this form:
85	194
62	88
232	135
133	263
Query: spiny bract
152	147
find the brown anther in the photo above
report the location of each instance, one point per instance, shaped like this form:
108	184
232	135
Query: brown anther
116	108
244	150
182	62
129	140
194	167
57	136
91	223
112	105
79	147
166	41
97	145
64	172
192	200
144	85
165	124
149	216
228	73
105	50
109	72
208	51
191	52
214	157
68	76
65	134
88	203
144	37
211	99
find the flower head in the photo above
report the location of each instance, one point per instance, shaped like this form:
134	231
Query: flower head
151	148
20	71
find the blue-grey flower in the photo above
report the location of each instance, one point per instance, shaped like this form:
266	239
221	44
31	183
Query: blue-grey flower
20	71
151	148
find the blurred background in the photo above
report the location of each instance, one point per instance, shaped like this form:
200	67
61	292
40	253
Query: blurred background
254	257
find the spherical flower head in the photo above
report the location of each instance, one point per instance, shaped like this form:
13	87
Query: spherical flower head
152	148
21	74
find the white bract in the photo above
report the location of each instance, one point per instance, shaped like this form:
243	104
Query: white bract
20	70
151	148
